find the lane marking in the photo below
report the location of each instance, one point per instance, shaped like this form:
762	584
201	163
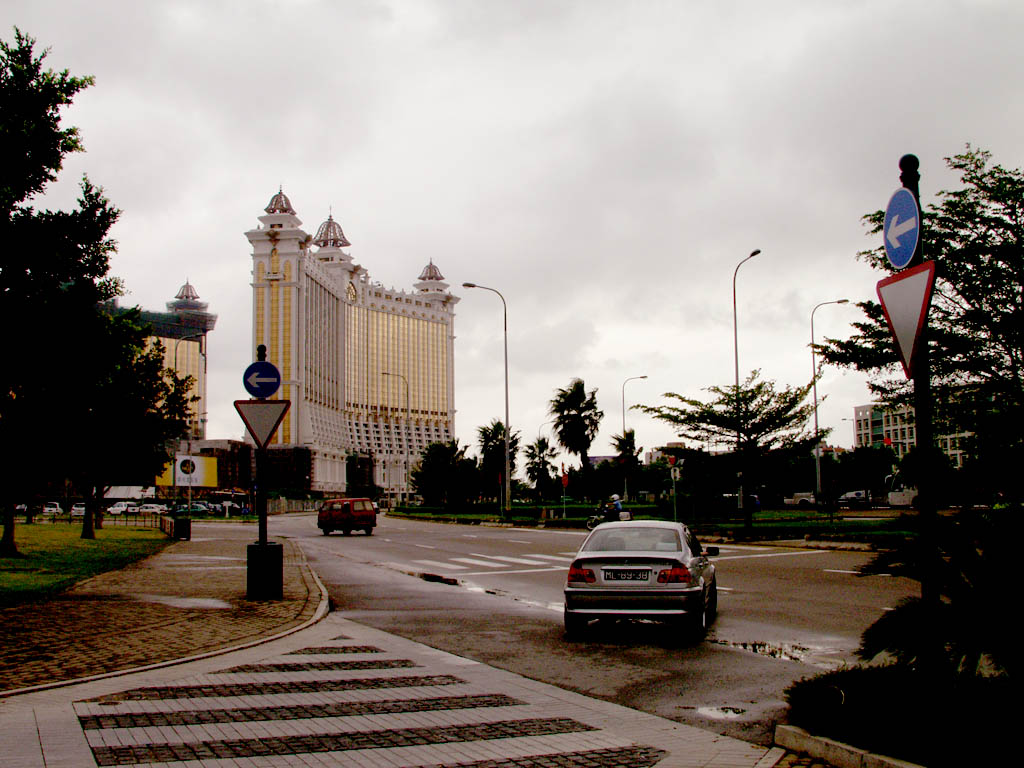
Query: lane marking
837	570
424	546
774	554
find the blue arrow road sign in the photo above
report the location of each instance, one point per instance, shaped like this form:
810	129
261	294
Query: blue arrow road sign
901	228
261	379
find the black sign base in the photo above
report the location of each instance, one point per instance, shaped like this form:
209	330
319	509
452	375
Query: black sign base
265	571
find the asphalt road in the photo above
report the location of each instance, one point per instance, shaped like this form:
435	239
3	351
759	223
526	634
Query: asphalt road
494	594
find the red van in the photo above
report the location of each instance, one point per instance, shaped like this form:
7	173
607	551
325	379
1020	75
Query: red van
346	515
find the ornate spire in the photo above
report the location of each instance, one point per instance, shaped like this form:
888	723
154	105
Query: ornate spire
430	272
187	292
280	203
330	235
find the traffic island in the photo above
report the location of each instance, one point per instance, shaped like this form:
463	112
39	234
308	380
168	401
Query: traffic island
264	571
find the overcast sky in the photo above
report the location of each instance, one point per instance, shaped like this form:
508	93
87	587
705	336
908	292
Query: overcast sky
605	165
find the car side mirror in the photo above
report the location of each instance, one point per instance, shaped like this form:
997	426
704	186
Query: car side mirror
711	551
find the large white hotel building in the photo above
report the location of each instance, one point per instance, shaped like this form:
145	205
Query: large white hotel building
368	369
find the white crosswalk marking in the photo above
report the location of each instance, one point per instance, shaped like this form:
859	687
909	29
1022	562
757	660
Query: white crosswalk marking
443	566
506	559
472	561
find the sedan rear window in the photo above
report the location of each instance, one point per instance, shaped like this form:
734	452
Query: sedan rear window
634	540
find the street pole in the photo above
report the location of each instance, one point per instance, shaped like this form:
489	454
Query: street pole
736	361
408	426
814	384
625	468
508	456
926	503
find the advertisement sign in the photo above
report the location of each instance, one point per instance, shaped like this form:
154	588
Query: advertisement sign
190	471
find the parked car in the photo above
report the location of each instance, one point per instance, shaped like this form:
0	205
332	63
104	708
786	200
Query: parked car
854	499
51	508
151	509
196	508
78	510
346	515
642	569
122	507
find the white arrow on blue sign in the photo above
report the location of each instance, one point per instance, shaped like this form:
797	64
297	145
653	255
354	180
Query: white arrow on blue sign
261	379
901	228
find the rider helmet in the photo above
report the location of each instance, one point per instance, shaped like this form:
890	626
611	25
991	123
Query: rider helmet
615	497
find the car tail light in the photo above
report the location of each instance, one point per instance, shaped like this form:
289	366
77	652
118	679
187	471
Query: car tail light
677	574
578	573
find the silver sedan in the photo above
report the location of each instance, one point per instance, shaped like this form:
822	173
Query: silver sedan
642	569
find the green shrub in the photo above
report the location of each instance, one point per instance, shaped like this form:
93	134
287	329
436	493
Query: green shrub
896	711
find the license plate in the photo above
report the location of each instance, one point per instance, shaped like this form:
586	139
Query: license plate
627	575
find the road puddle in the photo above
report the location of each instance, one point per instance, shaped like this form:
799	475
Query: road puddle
784	651
720	713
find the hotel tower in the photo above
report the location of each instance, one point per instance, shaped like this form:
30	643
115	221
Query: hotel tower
368	370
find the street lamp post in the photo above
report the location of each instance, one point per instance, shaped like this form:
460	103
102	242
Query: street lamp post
736	362
406	430
625	480
508	456
814	385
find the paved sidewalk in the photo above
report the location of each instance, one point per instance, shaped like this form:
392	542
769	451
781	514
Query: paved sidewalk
298	688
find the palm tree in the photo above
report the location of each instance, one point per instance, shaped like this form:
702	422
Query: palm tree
539	458
577	419
626	448
491	439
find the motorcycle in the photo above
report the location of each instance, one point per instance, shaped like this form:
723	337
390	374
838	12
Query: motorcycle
607	514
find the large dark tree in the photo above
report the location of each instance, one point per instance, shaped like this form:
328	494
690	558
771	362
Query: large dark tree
79	373
577	420
445	476
975	236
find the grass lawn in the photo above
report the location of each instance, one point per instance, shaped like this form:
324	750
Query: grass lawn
54	558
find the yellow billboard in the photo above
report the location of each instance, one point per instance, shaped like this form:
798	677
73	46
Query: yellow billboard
190	471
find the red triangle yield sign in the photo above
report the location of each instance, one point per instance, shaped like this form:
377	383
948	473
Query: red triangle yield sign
905	299
262	417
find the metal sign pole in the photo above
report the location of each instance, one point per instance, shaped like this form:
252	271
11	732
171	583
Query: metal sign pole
925	439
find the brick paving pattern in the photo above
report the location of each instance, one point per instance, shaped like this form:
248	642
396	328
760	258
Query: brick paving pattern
105	625
298	712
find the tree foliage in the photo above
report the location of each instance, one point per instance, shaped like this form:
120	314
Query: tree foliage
445	476
491	440
88	396
576	420
540	457
761	416
975	235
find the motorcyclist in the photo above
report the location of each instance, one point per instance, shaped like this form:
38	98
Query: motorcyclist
613	509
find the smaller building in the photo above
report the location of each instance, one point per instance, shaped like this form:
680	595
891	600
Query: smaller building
877	426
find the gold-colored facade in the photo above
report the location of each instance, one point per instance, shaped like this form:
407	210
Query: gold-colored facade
367	369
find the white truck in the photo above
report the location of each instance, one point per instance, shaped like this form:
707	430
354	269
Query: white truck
803	500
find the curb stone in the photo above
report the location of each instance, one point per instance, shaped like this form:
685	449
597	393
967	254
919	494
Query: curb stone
834	752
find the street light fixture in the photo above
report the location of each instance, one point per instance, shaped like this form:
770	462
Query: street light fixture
625	481
508	456
814	385
408	426
736	361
